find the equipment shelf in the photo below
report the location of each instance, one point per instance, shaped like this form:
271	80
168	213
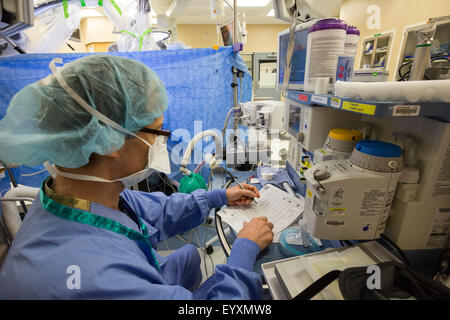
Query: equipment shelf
434	110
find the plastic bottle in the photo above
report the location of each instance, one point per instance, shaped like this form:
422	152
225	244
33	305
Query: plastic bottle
351	41
326	39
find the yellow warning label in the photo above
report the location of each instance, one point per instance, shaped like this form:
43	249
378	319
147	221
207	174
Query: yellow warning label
308	192
359	107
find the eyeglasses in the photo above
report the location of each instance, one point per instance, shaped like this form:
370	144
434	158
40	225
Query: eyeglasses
164	133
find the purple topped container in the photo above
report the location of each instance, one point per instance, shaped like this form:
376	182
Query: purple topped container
329	23
352	30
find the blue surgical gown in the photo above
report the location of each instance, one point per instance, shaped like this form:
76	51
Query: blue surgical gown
47	249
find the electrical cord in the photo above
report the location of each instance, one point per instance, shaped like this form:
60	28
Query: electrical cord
209	185
439	58
219	227
404	77
397	248
320	187
231	175
165	182
198	246
204	253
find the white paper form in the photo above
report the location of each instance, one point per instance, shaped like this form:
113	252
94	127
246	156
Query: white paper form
281	208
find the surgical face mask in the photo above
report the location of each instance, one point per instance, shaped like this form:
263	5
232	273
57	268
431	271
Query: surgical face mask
158	159
158	156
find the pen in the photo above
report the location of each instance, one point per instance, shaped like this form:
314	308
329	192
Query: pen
242	187
237	181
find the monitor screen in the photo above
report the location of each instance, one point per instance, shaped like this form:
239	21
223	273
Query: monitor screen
294	119
298	59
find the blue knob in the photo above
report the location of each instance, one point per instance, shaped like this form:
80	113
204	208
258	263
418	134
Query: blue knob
379	148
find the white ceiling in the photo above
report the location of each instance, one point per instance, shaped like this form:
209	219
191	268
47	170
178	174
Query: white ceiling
199	12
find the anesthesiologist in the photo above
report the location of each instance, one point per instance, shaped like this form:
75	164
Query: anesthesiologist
98	120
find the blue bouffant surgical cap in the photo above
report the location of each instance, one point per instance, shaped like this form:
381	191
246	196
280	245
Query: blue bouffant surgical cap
44	123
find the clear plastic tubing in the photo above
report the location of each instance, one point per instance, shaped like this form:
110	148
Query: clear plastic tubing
326	39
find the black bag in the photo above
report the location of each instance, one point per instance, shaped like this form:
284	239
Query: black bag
397	281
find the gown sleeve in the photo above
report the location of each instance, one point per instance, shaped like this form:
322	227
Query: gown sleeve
175	214
133	278
180	212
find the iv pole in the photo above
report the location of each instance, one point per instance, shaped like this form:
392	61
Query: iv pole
237	46
235	36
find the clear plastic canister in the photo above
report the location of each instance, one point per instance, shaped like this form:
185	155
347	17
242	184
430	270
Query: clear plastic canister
326	39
